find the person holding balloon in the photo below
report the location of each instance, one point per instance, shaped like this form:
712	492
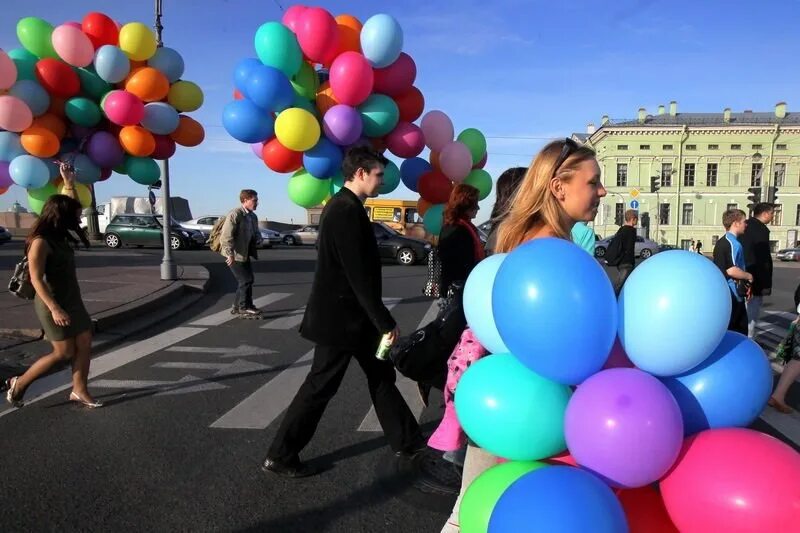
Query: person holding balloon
58	303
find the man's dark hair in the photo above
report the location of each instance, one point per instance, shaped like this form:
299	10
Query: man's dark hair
247	194
361	157
762	208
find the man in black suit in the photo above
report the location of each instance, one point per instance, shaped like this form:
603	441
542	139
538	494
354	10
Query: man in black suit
345	317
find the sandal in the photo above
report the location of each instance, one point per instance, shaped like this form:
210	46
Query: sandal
779	406
11	384
75	397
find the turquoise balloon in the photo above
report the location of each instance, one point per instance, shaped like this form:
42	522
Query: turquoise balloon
510	411
433	219
277	46
391	178
475	141
337	182
25	62
83	112
380	114
92	85
142	170
481	180
33	94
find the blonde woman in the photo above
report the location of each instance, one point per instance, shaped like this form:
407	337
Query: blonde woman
561	187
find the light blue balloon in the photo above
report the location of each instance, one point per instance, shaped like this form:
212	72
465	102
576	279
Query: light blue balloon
241	72
160	118
269	89
433	219
324	160
32	94
10	146
381	40
29	172
247	122
674	310
86	171
729	389
478	303
169	62
391	178
111	64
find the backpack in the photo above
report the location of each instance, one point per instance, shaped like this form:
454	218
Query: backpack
614	251
214	243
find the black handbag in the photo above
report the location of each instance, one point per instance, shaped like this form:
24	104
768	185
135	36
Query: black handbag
434	274
20	284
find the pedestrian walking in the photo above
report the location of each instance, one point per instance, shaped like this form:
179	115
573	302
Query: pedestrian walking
622	249
460	248
758	261
729	257
698	247
239	239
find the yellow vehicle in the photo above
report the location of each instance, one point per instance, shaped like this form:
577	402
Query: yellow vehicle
400	215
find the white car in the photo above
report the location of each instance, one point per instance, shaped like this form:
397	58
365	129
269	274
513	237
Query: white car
790	254
644	247
202	224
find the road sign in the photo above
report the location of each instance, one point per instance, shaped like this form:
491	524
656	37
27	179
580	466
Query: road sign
634	204
634	193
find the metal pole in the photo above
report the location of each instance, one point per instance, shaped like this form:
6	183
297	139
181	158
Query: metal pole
169	270
93	224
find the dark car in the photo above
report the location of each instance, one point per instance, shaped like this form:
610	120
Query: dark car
5	235
405	250
136	229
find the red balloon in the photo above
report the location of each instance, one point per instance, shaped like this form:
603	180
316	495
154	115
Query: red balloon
397	78
645	511
101	29
563	459
411	104
317	34
351	78
378	144
105	173
435	187
165	147
57	77
406	140
237	95
279	158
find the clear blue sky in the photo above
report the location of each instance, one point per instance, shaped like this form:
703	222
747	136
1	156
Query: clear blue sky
521	71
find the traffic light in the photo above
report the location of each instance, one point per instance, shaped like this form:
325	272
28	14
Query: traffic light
645	220
156	185
772	195
655	184
753	197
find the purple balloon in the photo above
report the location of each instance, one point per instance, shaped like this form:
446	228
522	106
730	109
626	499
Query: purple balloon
5	176
104	149
624	425
256	148
342	124
81	132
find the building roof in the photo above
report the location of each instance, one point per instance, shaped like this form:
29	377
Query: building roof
581	137
706	119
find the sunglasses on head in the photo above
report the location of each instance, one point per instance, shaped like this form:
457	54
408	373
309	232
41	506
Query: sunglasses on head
569	147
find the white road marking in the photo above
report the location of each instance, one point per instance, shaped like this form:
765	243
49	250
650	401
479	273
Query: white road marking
221	317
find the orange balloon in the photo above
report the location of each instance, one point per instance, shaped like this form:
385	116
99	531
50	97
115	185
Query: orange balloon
40	142
325	98
137	141
149	84
422	206
57	106
189	132
51	122
349	34
435	161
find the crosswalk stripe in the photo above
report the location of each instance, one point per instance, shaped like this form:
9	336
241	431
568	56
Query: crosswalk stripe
290	321
221	317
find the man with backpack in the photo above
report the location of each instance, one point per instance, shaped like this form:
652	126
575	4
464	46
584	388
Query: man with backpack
622	249
236	238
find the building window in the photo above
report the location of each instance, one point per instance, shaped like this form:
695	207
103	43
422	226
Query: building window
731	206
666	147
688	213
691	147
688	175
777	218
619	214
666	174
780	172
736	147
663	214
714	239
711	174
797	217
644	147
622	174
713	147
780	147
755	174
735	179
757	147
686	244
622	147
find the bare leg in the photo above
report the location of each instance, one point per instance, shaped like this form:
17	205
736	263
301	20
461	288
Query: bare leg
476	463
62	352
789	375
80	365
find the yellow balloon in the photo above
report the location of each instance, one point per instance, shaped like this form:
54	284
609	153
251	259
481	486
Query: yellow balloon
137	41
84	194
297	129
185	96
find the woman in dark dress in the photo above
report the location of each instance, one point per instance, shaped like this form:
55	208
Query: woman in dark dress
58	302
460	248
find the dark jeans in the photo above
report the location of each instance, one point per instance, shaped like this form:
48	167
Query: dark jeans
623	271
243	272
327	370
738	320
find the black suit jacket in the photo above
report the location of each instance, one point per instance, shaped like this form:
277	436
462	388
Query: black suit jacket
757	255
345	307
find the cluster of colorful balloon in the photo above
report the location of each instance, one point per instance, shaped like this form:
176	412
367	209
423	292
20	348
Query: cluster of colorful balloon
101	95
322	84
663	394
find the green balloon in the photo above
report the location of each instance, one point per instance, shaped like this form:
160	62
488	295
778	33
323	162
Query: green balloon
37	197
380	114
276	46
391	178
123	167
142	170
303	103
307	191
25	62
306	82
337	182
482	495
83	111
433	219
93	85
475	141
481	180
34	34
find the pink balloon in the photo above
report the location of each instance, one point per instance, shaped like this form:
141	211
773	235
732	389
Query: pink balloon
15	115
438	130
318	34
8	71
72	45
455	160
73	24
397	78
123	108
292	17
351	78
405	140
734	479
618	358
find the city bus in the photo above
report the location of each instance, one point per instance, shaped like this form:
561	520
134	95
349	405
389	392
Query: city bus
400	215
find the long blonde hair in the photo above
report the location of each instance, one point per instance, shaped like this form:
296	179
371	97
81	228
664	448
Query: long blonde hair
533	202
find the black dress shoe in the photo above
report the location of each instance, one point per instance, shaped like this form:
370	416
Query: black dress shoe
294	470
412	450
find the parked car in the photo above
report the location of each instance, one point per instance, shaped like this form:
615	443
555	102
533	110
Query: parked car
665	247
789	254
270	237
202	224
147	230
5	235
305	235
644	247
406	251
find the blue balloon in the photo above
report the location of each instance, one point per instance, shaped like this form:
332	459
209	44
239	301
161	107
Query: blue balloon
478	303
29	172
269	88
160	118
52	166
558	499
411	169
246	122
10	146
673	312
729	389
86	171
241	72
169	62
323	160
111	64
381	40
32	94
555	309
